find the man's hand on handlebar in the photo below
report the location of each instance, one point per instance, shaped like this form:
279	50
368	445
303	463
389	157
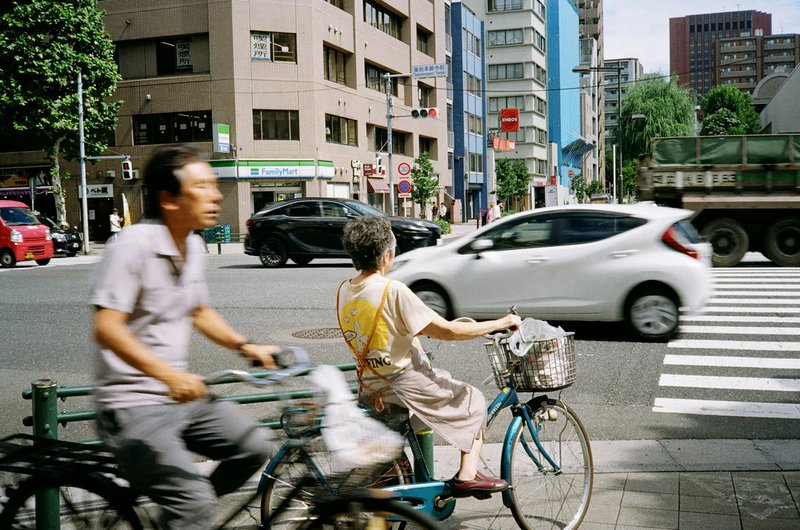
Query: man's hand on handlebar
185	386
261	355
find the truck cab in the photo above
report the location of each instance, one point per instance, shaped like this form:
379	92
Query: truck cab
22	236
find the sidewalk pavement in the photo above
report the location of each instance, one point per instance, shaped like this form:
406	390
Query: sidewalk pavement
687	484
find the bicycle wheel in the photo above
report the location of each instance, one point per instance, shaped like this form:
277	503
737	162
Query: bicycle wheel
367	513
280	480
87	502
543	497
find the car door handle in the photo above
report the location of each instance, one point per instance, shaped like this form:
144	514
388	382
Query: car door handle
540	259
623	253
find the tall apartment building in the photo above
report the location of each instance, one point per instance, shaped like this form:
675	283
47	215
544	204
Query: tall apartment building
299	83
516	66
692	40
619	75
744	61
592	51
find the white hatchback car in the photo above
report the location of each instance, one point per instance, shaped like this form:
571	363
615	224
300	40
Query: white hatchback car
640	263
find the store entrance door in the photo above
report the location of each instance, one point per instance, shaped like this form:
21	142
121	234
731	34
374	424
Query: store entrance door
99	213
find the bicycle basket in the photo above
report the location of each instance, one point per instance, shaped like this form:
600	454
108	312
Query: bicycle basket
548	365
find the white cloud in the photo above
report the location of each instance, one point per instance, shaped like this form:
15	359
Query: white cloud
640	28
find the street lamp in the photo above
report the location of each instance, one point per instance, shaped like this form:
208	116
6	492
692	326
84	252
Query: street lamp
584	69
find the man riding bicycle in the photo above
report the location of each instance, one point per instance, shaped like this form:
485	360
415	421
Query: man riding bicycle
148	293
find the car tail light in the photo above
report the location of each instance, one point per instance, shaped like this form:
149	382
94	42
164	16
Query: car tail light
250	222
674	239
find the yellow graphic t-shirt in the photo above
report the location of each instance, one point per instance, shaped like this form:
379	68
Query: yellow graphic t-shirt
403	317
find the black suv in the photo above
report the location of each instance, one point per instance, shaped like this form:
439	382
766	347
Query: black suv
304	229
65	240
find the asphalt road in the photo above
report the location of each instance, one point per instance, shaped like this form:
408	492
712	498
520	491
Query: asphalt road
46	332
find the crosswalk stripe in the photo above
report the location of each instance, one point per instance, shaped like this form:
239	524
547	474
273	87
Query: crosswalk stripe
767	292
754	345
771	310
741	318
739	330
732	361
744	409
765	301
730	383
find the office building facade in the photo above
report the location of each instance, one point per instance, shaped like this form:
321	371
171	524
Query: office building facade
744	61
620	75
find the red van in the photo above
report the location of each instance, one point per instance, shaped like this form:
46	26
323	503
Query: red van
22	236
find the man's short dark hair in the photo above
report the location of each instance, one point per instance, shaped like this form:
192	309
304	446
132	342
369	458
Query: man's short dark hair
366	240
160	175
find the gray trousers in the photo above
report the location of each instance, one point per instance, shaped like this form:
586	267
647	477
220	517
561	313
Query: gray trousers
154	446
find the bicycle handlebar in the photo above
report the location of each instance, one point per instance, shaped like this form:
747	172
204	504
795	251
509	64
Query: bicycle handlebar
298	365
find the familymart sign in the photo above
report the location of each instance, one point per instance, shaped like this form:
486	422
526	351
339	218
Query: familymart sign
273	169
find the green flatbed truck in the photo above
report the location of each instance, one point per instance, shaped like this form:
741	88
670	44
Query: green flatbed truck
744	190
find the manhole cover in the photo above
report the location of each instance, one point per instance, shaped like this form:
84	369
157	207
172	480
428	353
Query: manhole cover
320	334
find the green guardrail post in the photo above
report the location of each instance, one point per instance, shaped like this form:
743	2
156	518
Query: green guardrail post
425	439
45	425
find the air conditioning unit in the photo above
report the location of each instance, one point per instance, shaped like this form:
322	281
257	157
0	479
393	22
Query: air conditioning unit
111	174
135	174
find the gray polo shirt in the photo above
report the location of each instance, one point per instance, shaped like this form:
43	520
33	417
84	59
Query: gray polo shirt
141	274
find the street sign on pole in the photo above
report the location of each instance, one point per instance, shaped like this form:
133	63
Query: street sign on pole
423	71
404	168
404	188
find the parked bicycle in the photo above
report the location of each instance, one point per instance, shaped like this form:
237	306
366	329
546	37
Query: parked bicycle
546	457
71	485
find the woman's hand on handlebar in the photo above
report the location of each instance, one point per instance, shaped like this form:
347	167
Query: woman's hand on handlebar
509	322
261	355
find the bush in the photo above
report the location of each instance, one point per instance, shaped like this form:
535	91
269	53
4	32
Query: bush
508	212
444	225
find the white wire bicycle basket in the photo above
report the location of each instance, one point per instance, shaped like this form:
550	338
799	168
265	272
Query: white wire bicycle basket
548	364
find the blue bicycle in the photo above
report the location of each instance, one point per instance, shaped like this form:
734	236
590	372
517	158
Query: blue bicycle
546	458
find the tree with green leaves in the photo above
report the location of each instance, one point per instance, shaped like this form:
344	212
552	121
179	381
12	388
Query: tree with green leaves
43	46
578	186
728	110
661	108
424	180
513	180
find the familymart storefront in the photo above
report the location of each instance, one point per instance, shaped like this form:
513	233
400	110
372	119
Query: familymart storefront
260	182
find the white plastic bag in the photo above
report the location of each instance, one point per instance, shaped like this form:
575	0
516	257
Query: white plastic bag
538	339
353	438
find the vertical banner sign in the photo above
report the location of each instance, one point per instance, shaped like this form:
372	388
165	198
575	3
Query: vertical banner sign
260	46
222	138
509	120
183	51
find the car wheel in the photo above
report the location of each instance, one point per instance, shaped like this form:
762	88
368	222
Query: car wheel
43	261
782	242
729	241
435	298
273	253
302	260
7	259
653	313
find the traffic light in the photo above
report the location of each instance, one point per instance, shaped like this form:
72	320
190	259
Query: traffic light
425	112
127	170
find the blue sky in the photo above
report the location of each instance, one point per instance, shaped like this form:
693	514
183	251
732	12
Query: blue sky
640	28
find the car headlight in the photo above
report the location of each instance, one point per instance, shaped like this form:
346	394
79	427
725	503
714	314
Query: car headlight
16	236
47	235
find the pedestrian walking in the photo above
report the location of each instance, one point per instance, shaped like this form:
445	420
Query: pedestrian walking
435	212
443	212
115	224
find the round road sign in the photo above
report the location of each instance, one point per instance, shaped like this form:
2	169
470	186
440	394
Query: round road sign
404	186
570	173
404	168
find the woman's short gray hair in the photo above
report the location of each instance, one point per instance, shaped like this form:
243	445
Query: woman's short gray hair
366	240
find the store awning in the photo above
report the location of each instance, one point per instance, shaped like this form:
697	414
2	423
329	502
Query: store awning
377	186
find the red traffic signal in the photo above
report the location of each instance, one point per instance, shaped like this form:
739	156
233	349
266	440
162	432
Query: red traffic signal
425	112
127	170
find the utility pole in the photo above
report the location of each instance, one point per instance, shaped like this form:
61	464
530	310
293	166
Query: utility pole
82	155
387	77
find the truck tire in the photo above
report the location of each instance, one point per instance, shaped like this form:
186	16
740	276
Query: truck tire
728	239
782	242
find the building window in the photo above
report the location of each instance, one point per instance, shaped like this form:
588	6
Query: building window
540	105
170	128
277	47
506	71
398	141
475	163
540	74
426	146
340	130
539	41
504	5
472	43
474	124
505	37
518	136
540	136
174	56
276	125
335	62
509	102
541	166
337	3
424	96
540	10
379	17
375	79
474	85
424	41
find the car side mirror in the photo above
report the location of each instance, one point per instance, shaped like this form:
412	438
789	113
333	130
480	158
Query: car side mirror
481	245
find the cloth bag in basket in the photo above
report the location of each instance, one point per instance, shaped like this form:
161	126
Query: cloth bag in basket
353	438
538	339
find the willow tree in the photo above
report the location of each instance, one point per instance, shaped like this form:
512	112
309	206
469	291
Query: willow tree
654	107
43	46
